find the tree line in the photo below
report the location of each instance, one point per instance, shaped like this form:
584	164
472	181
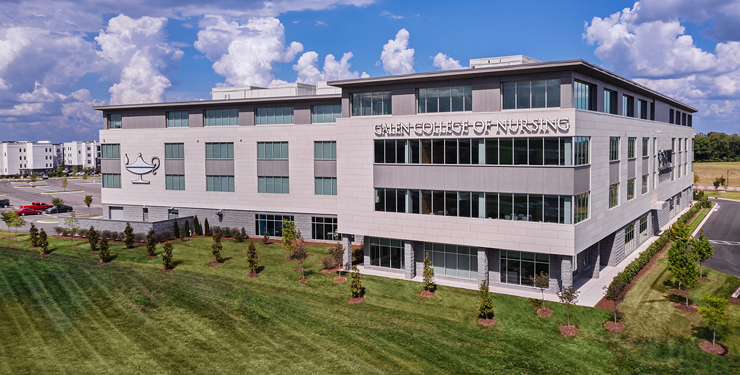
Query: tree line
715	146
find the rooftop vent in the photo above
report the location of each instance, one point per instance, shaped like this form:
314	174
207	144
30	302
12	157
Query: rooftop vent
493	62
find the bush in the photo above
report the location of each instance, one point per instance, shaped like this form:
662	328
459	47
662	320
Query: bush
355	286
176	229
359	253
43	242
186	228
328	263
216	248
81	232
196	226
252	257
337	253
207	229
104	254
167	256
140	237
151	246
226	232
244	233
105	234
129	236
216	230
92	237
238	236
59	231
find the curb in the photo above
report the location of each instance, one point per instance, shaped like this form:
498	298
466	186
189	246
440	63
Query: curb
716	206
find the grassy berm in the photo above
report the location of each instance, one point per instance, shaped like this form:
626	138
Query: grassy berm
66	314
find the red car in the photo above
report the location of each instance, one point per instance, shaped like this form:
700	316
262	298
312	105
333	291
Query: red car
28	211
37	206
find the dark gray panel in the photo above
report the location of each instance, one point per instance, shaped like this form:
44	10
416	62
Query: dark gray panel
302	113
404	100
486	93
110	165
613	172
645	165
246	116
215	167
582	179
195	118
566	90
275	168
325	168
174	166
630	169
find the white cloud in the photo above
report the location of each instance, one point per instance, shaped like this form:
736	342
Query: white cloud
319	23
444	62
308	70
245	54
388	14
396	57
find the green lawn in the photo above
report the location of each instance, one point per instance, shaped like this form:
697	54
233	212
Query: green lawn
698	218
65	314
728	195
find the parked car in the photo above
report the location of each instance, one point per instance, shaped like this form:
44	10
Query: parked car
37	206
80	173
63	208
45	177
28	211
4	203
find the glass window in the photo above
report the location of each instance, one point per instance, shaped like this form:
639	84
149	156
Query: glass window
452	260
174	182
324	228
220	183
326	185
584	95
221	117
177	119
445	99
630	189
111	180
326	150
642	109
644	183
111	151
517	267
371	103
613	195
385	252
219	150
581	150
613	148
272	224
273	185
628	106
531	94
580	209
114	121
629	237
610	102
274	116
536	151
174	150
325	113
645	143
272	150
630	147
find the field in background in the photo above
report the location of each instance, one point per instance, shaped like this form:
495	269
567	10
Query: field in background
707	172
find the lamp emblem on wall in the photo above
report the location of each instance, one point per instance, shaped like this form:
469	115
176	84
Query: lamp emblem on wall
140	167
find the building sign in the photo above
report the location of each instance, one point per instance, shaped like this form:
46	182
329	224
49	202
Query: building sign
509	127
665	161
140	167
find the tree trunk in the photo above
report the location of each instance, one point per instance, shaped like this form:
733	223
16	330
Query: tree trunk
569	317
714	335
615	313
543	298
687	300
701	274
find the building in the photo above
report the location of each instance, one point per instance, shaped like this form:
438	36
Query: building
499	171
26	158
81	155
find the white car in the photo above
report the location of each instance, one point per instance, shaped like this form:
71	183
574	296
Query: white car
80	173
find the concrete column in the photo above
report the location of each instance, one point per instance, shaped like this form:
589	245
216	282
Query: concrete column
566	271
347	259
483	266
409	259
596	260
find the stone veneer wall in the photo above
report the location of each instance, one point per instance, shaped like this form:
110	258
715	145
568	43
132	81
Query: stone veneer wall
138	226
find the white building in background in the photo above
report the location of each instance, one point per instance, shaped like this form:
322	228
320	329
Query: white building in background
25	158
81	155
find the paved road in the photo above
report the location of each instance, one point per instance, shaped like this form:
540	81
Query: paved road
723	231
20	194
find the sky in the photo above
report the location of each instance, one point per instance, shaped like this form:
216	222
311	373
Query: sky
60	58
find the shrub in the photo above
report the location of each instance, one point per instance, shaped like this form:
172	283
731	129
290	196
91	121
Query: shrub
300	253
337	253
104	254
429	284
358	254
121	236
244	233
226	232
60	230
290	234
105	234
176	229
167	256
81	232
196	226
252	257
615	292
568	296
92	238
140	237
207	229
328	262
216	248
129	236
167	234
43	241
265	239
34	234
151	245
485	302
238	236
186	228
355	286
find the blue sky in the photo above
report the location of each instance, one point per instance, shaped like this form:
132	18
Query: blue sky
58	58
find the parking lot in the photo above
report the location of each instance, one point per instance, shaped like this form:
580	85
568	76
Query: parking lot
22	193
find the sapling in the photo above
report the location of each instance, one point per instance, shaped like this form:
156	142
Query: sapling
167	256
129	236
252	257
615	292
714	313
104	253
485	302
300	253
541	282
216	248
568	296
355	286
34	236
43	241
151	246
429	284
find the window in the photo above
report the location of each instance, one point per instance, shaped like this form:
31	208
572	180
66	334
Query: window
645	142
580	207
220	183
273	185
631	148
613	195
644	183
326	185
531	94
272	224
445	99
325	113
177	120
452	260
272	150
325	150
114	121
274	116
324	228
219	150
174	151
628	106
629	238
584	96
610	102
643	228
518	266
630	189
111	151
175	182
642	109
670	115
112	180
385	252
371	103
613	148
221	117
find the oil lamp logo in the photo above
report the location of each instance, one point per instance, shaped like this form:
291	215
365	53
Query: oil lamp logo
140	167
665	161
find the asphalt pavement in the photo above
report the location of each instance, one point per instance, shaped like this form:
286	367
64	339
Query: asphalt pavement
723	231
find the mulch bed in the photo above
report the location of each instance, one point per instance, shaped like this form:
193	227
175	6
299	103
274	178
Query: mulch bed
681	292
93	251
487	322
44	255
568	332
355	301
330	270
544	313
734	300
289	260
215	264
151	257
428	294
252	275
717	349
339	280
165	270
704	280
303	281
103	263
688	309
614	327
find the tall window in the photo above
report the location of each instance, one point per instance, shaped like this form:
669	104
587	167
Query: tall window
531	94
385	252
177	119
628	106
453	261
371	103
643	228
610	102
274	116
324	228
644	183
325	150
613	148
645	142
613	195
445	99
273	185
272	224
272	150
580	207
584	96
174	182
219	150
114	121
629	237
111	151
630	148
670	115
518	266
221	117
325	113
112	180
174	151
642	109
630	189
326	185
220	183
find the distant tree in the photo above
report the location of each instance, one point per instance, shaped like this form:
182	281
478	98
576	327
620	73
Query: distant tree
252	257
92	238
151	243
696	178
17	222
541	282
57	202
167	256
33	177
216	247
186	228
74	170
176	229
207	228
196	226
129	236
683	266
73	224
568	296
8	217
355	286
65	183
485	302
615	292
104	253
702	250
33	234
84	176
88	201
265	239
43	242
429	284
714	313
719	181
289	236
300	253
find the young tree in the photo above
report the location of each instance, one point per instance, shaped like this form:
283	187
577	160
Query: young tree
8	217
679	231
167	256
714	313
92	238
176	229
33	177
216	247
43	241
615	292
289	236
207	228
337	253
129	239
252	257
74	170
485	302
244	233
696	178
88	201
57	202
238	236
568	296
104	253
355	285
65	183
17	222
702	250
186	228
84	176
33	233
151	243
541	282
719	181
73	224
265	239
429	284
684	269
300	253
196	226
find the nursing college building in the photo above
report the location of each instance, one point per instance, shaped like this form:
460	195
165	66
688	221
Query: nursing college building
498	171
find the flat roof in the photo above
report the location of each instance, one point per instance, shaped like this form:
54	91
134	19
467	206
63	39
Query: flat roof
219	102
